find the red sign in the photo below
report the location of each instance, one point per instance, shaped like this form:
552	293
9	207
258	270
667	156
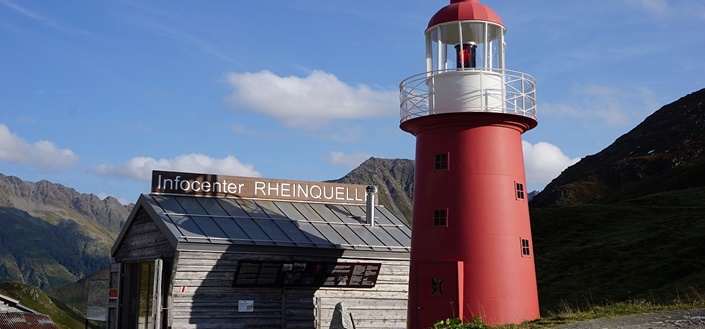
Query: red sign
113	293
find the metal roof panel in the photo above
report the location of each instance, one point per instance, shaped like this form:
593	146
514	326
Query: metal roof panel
320	234
291	228
220	220
335	226
355	225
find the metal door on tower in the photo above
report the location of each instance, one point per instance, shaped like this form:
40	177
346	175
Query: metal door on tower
438	292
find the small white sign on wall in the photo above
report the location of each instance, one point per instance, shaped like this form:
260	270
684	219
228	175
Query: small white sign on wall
246	306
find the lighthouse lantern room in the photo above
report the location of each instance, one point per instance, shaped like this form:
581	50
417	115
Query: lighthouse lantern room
472	251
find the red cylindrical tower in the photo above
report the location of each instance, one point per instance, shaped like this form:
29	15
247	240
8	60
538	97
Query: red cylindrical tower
471	246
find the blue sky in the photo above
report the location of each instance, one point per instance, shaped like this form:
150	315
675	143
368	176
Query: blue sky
96	94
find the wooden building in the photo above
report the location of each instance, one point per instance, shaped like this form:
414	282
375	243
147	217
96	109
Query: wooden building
209	251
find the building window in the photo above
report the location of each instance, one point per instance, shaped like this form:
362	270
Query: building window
525	250
520	191
441	161
440	217
437	287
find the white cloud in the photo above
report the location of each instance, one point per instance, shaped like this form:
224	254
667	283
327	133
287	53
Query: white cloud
351	160
544	162
42	154
308	102
141	167
611	105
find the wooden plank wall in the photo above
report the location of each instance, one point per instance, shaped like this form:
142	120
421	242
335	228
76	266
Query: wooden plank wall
209	300
144	240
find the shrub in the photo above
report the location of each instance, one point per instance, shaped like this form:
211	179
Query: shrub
475	323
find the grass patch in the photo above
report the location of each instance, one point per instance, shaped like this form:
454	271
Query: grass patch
63	315
641	249
570	313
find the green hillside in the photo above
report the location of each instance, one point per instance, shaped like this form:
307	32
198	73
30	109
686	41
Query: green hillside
646	248
75	294
51	235
45	254
63	315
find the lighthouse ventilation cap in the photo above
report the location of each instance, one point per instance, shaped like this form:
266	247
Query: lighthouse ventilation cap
465	10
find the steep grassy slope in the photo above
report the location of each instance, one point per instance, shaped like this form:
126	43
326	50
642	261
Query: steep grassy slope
75	294
649	247
30	296
44	254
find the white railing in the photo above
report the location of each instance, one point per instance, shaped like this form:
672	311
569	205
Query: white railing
515	94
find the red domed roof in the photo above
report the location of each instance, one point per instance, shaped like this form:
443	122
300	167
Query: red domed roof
465	10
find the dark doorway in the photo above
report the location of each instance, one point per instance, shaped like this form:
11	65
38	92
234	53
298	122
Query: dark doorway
143	299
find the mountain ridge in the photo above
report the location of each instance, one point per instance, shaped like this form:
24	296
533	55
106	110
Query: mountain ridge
662	153
46	198
54	235
394	179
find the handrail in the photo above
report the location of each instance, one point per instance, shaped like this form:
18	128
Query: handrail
516	95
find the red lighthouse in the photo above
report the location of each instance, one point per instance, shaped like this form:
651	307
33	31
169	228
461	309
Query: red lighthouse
471	246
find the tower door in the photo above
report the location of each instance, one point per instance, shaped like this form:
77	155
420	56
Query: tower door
438	292
142	303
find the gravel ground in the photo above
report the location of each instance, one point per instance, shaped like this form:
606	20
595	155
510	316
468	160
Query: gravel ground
671	320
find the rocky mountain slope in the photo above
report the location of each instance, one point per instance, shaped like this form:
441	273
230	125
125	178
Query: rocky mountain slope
663	153
52	235
393	177
626	223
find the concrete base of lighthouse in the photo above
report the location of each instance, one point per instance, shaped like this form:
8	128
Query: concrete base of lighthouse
478	259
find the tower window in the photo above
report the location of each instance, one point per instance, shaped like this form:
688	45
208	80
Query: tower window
437	287
440	217
525	250
441	161
520	191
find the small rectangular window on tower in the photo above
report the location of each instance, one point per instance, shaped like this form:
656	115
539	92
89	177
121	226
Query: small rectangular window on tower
440	217
525	250
441	161
520	191
437	286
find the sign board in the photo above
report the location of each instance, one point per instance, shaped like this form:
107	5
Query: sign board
245	305
97	303
306	274
256	188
